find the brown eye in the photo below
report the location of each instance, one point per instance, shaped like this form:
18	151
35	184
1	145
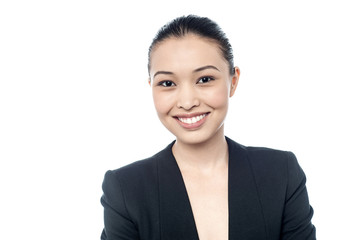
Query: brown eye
167	84
205	79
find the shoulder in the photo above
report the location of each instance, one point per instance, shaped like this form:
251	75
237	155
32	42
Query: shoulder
122	180
138	169
267	162
262	155
272	159
140	173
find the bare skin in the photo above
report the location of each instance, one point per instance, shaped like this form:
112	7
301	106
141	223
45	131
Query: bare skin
205	174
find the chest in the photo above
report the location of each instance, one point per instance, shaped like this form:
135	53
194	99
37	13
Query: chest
208	196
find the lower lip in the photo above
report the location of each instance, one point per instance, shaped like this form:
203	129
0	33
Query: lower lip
192	126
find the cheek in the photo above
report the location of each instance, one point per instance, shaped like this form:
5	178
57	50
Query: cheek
162	102
218	97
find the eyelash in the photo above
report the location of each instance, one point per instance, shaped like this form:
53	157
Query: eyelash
163	83
208	79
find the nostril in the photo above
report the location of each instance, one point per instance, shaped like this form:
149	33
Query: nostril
187	100
187	105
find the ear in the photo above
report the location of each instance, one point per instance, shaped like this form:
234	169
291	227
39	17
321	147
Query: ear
234	82
149	82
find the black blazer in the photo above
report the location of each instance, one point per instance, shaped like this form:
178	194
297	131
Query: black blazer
267	198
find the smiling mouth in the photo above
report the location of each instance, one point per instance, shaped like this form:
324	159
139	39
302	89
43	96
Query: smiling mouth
192	120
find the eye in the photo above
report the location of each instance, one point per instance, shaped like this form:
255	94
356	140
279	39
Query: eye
205	79
166	84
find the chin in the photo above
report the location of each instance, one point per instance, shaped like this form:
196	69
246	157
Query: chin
191	140
196	137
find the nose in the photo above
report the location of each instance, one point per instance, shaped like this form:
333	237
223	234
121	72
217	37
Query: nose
187	97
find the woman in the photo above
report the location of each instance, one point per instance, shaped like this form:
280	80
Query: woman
203	185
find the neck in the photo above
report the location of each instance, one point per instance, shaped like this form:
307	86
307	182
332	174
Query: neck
206	155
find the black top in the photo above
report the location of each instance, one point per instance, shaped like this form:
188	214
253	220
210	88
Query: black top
267	198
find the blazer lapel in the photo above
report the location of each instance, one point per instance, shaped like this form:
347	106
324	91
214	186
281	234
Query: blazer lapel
246	219
176	217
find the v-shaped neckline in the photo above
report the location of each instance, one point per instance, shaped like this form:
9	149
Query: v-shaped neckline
187	193
176	216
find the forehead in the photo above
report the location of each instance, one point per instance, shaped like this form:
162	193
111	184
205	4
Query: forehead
188	52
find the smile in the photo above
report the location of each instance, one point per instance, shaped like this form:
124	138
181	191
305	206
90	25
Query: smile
192	120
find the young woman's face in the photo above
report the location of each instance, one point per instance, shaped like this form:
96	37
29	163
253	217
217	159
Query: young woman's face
191	86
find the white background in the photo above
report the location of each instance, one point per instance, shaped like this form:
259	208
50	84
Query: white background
74	102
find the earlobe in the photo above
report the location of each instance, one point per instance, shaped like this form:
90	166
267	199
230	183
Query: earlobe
234	81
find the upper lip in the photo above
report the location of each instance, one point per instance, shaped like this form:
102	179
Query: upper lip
190	115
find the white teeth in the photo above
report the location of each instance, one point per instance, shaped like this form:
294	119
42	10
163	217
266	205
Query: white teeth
192	119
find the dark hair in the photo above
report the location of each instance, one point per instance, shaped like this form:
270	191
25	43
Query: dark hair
202	26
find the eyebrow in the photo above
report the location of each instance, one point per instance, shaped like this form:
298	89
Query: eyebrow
206	67
194	71
162	72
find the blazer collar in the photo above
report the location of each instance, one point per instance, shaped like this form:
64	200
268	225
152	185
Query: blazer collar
245	213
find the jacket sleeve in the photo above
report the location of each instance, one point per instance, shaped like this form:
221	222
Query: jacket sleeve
298	213
117	222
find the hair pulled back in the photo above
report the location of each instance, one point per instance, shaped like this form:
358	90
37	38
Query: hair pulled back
201	26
